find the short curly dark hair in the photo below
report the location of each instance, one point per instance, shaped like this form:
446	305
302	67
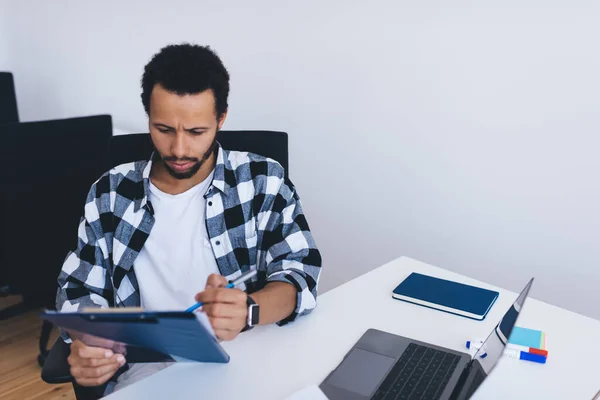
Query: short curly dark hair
187	69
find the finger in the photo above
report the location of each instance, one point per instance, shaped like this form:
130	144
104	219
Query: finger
225	335
120	348
96	372
215	281
94	352
91	373
84	369
84	351
95	381
76	344
227	324
221	295
225	310
98	362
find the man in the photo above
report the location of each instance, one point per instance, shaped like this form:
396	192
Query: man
165	233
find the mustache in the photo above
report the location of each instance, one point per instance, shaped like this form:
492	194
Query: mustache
183	159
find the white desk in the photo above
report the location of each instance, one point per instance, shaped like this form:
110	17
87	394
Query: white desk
273	362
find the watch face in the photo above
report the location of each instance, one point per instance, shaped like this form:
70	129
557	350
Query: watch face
253	314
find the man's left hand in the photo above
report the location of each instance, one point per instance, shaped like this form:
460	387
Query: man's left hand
226	309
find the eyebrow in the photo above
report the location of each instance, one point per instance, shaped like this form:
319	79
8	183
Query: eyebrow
196	128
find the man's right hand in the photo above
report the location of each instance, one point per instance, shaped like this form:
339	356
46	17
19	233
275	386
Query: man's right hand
93	366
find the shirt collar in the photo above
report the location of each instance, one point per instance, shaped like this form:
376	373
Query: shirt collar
222	164
146	183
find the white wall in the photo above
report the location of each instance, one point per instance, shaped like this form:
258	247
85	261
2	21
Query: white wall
463	134
4	40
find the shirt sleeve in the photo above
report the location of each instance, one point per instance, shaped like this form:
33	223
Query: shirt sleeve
83	280
291	253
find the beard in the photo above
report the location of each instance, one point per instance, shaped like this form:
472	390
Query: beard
193	170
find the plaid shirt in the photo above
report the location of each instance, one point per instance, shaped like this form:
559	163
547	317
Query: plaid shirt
254	220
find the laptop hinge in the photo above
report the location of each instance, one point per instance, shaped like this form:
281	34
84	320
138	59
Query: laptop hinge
461	381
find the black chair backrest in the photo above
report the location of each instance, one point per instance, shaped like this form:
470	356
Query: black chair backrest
8	99
272	144
46	171
129	148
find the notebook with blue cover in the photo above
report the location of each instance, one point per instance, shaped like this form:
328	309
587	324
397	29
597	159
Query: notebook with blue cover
448	296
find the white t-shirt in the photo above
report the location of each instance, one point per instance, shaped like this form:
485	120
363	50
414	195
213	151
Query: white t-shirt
177	258
175	261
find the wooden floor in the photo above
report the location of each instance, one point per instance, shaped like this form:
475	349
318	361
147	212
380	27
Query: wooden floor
19	370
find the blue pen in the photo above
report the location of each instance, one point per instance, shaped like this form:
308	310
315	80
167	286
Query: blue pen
243	278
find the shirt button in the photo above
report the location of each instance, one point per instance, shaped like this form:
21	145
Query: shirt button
217	242
210	203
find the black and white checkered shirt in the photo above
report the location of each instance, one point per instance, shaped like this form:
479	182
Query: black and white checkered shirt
254	220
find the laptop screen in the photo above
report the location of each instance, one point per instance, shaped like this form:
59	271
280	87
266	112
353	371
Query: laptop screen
488	355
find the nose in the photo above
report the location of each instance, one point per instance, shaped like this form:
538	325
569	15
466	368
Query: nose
179	145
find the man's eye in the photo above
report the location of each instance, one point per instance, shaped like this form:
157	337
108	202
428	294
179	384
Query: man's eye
164	130
197	133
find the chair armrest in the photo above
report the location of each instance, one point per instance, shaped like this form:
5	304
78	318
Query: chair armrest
56	368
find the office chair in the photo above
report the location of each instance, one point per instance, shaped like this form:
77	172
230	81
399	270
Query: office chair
8	99
8	115
46	170
136	147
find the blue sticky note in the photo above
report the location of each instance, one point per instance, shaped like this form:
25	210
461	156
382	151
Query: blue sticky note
527	337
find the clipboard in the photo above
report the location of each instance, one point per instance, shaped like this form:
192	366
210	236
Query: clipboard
149	336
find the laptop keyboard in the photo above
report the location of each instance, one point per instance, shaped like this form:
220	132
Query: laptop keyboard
421	373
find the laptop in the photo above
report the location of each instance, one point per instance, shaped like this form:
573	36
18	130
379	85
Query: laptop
384	366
